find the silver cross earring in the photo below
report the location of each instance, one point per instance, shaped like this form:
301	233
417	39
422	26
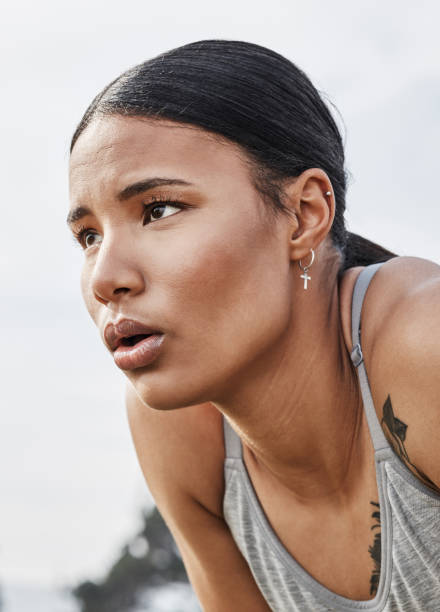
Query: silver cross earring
305	276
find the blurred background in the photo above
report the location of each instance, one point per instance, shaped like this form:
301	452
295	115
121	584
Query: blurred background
73	503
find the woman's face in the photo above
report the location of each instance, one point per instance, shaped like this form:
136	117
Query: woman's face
207	266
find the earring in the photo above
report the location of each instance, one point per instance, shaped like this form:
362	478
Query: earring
305	276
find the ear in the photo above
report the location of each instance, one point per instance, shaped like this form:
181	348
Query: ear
312	209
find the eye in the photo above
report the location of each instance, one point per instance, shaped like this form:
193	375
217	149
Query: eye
87	237
154	212
90	238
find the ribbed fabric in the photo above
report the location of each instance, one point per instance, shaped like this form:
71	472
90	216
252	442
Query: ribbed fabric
410	523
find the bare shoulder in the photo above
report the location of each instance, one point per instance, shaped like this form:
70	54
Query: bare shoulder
397	287
401	337
401	309
181	452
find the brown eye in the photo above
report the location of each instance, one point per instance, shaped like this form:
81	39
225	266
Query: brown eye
87	238
155	212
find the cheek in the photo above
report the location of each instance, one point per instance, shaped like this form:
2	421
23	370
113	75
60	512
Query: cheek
203	273
226	290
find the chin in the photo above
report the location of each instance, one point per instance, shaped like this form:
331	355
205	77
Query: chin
161	395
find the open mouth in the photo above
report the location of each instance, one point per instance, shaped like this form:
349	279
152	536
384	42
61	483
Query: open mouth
132	340
130	334
138	350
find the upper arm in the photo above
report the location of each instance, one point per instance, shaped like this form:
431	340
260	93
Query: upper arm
181	454
404	365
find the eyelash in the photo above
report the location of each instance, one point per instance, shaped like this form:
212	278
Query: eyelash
161	201
79	234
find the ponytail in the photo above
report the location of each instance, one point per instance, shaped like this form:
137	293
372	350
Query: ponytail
360	251
255	98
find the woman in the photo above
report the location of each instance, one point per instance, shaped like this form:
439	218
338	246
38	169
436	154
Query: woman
208	194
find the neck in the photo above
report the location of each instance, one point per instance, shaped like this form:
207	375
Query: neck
299	411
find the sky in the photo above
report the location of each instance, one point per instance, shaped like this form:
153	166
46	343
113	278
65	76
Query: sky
72	491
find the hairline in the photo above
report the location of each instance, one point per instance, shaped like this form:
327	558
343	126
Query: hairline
268	187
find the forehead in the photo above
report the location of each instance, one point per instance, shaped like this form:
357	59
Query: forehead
118	149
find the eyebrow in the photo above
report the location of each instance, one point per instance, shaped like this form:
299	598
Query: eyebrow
128	192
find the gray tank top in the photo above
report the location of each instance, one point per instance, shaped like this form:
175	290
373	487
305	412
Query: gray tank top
410	523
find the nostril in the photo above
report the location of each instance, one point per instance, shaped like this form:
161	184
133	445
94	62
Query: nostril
121	290
113	280
100	299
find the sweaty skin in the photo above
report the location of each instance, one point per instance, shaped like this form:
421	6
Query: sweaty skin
217	272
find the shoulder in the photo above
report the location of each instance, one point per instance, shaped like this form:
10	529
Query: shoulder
401	316
401	343
181	452
399	306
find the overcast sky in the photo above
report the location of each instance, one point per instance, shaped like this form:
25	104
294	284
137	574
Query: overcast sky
71	487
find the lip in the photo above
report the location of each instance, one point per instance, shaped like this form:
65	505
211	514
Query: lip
115	331
140	354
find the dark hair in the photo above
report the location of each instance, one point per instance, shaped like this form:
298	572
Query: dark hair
255	98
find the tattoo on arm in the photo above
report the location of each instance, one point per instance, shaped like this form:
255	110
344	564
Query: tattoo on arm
395	432
375	550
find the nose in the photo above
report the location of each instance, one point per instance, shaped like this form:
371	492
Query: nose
115	272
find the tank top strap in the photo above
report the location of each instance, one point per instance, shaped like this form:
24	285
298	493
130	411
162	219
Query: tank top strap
360	289
233	448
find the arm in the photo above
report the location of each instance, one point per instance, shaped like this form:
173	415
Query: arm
404	363
181	455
